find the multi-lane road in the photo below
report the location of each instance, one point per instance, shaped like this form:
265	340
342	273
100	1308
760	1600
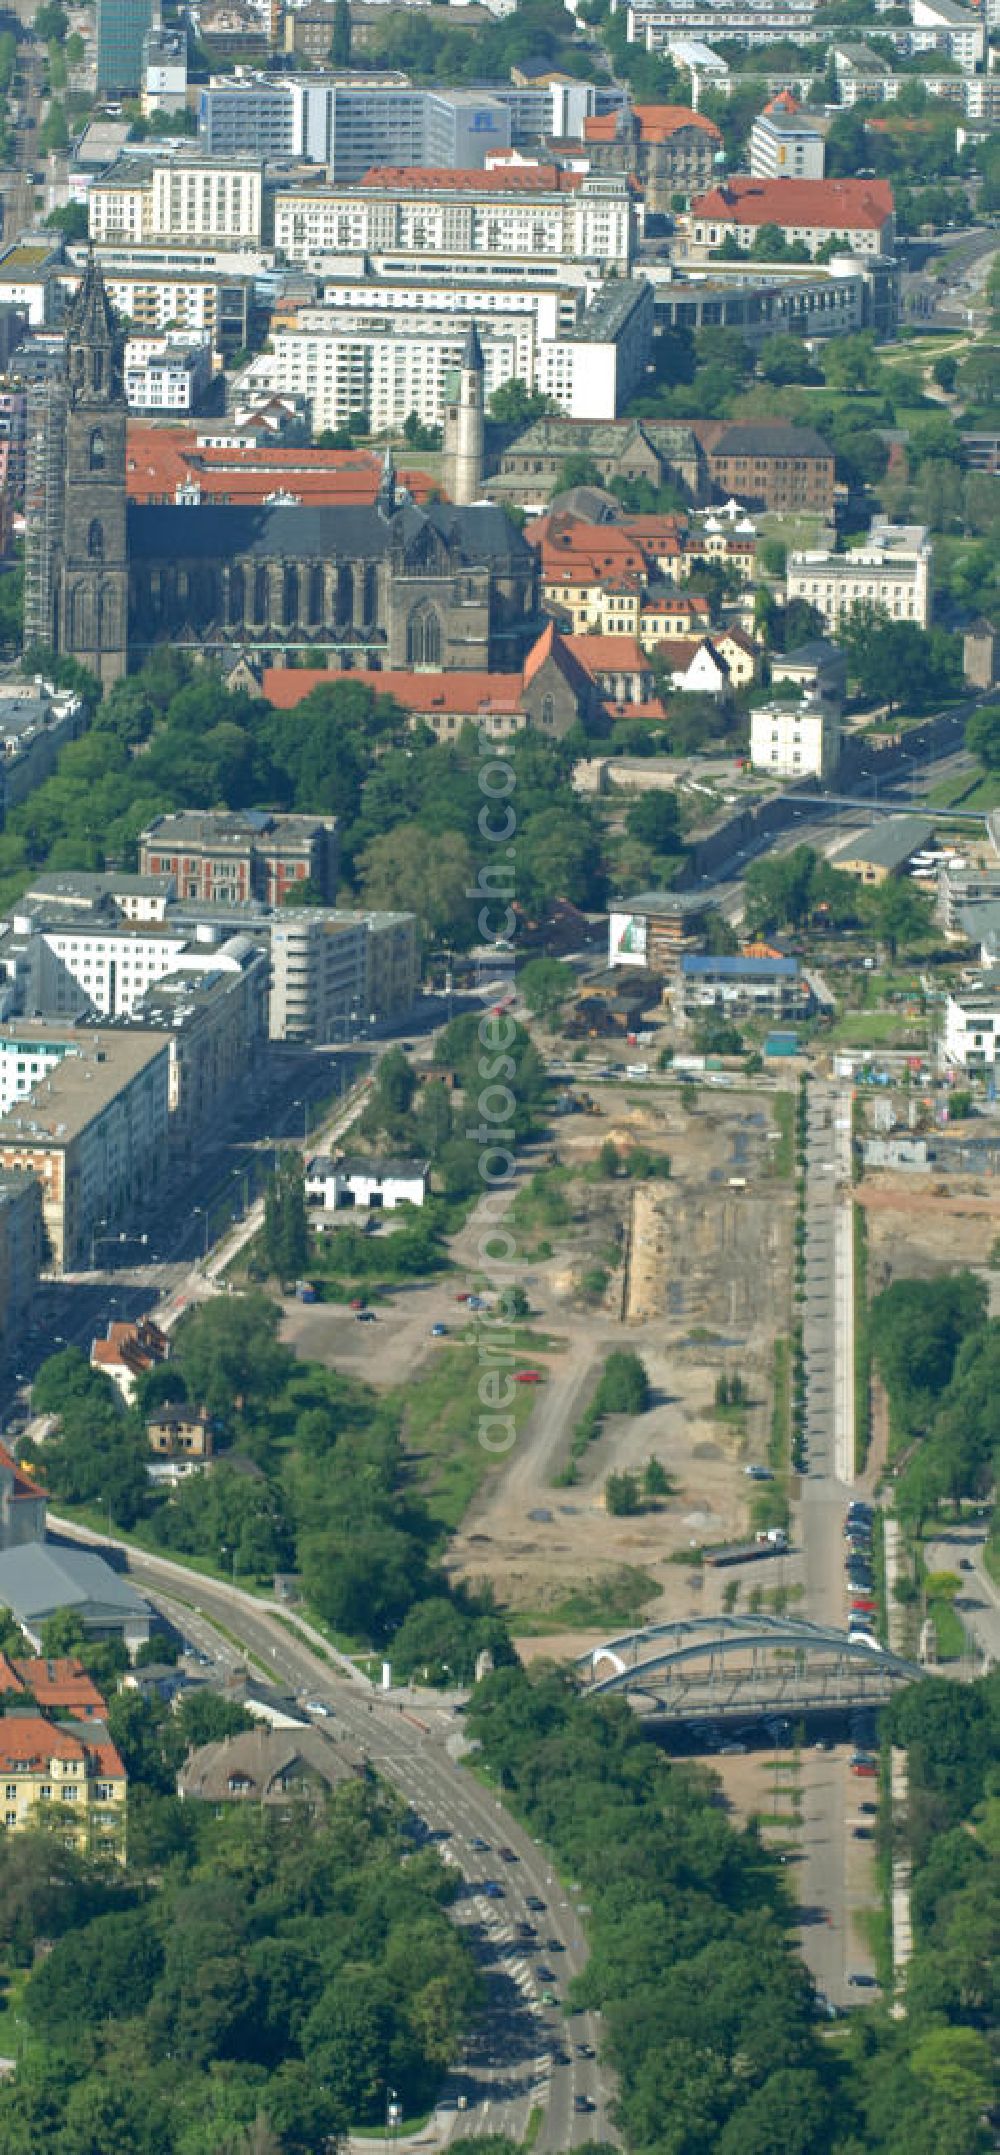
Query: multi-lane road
527	2054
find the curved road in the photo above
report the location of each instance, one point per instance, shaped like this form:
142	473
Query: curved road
525	2055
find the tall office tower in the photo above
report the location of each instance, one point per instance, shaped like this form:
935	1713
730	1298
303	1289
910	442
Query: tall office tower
122	25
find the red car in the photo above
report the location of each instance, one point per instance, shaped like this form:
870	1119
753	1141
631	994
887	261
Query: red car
528	1376
863	1605
864	1770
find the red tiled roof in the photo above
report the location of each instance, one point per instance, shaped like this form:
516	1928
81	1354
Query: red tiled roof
159	459
607	654
508	180
28	1740
654	708
687	602
677	652
657	123
285	686
850	204
61	1683
23	1489
784	102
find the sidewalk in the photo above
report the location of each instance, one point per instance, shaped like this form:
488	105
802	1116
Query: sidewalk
209	1275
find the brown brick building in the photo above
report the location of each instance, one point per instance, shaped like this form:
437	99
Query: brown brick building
228	857
769	465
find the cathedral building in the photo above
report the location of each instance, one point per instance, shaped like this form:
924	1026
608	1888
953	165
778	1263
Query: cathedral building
446	586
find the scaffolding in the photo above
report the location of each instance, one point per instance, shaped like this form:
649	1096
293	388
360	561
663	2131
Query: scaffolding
43	507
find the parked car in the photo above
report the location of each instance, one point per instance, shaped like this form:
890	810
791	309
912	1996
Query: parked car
507	1855
865	1769
478	1842
364	1316
528	1376
532	1901
493	1889
439	1331
859	1980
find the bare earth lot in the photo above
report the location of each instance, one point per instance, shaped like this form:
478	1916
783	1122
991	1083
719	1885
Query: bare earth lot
708	1268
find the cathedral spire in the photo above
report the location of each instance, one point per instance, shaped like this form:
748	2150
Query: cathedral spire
93	341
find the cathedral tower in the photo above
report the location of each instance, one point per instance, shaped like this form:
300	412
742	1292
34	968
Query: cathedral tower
93	571
464	424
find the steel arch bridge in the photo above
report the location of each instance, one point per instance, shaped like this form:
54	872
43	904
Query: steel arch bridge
734	1667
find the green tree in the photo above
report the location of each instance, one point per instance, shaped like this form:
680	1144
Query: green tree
54	132
545	984
577	470
982	736
513	403
899	912
624	1387
51	23
340	42
72	220
654	820
286	1224
621	1495
655	1479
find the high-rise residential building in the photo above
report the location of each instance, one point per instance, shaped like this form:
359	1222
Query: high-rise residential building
93	1131
785	143
122	26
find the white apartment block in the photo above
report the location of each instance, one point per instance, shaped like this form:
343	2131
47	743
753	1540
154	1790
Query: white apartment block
187	201
65	970
941	26
94	1132
199	307
526	213
935	26
800	740
893	570
786	146
345	361
318	976
972	1030
26	1058
333	972
167	374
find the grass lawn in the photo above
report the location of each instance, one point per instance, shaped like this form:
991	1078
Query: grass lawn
441	1430
949	1631
877	1029
984	794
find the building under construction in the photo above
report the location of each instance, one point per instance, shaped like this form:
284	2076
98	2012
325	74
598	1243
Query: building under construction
43	506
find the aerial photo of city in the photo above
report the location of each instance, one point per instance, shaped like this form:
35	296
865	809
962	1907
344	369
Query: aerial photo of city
499	1064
